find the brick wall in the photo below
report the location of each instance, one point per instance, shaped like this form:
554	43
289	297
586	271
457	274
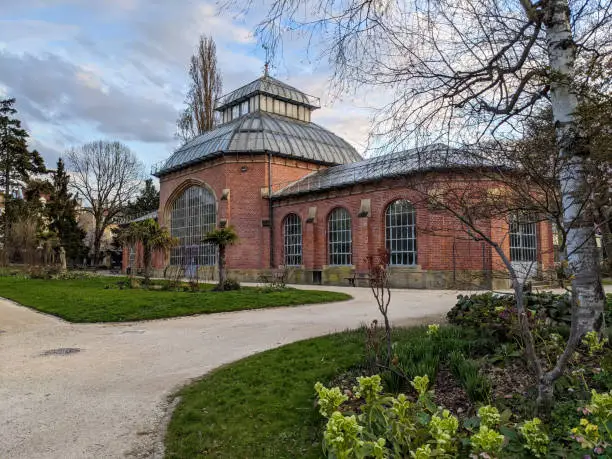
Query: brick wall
442	242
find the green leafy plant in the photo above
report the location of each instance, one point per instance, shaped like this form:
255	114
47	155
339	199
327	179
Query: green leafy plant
489	416
536	440
433	329
421	384
496	313
443	429
151	237
329	399
487	441
594	342
369	388
222	238
467	371
388	426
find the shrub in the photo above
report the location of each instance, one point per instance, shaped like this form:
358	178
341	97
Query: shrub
229	284
389	424
388	427
495	312
43	272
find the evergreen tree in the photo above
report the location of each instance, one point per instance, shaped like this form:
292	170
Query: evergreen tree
148	201
62	213
16	161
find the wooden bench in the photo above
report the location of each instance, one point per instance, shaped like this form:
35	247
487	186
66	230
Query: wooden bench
356	276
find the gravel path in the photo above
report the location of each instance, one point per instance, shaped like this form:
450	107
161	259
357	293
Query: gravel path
110	399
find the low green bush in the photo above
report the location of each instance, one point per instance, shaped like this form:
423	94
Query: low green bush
495	314
396	427
228	285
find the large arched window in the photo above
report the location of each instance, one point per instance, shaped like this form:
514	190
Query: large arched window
292	237
339	237
193	215
400	233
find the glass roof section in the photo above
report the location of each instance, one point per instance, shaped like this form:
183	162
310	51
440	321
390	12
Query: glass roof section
263	132
271	86
432	157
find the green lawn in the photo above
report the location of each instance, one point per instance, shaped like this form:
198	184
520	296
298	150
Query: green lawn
261	406
87	300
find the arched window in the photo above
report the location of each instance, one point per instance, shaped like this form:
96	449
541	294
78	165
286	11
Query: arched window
292	235
400	232
339	237
193	215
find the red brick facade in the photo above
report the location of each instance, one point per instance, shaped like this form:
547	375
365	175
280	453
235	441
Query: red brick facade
446	255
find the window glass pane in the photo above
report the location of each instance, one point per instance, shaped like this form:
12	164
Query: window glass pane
292	236
235	111
339	237
244	107
132	257
400	233
291	110
523	241
193	215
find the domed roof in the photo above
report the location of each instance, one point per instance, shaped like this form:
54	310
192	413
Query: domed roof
270	86
264	132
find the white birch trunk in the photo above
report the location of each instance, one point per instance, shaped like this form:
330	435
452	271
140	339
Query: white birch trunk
587	292
582	252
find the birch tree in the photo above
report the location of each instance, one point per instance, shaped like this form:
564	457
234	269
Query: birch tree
106	175
469	71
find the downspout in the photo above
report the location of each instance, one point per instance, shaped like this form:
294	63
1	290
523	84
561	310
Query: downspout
270	210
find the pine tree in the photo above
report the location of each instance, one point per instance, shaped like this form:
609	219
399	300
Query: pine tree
148	201
16	161
62	213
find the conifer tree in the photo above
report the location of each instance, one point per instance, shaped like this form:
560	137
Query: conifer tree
62	212
147	201
17	162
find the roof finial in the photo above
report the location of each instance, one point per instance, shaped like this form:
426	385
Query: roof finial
266	67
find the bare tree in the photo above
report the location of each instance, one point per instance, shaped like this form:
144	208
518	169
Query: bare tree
378	271
205	88
107	175
472	70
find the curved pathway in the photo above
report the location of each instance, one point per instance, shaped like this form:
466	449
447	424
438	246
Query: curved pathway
110	399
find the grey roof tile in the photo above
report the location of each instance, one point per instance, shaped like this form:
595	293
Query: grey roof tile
431	157
271	86
264	132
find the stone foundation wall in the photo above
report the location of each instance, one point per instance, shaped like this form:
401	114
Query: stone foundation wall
403	277
399	277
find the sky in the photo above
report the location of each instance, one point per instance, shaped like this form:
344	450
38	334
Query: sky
84	70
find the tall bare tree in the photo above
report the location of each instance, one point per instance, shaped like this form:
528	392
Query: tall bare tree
205	88
106	175
473	70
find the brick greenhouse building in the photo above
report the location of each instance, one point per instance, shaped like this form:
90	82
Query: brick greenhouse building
301	197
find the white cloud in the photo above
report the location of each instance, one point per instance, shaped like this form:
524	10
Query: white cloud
118	68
